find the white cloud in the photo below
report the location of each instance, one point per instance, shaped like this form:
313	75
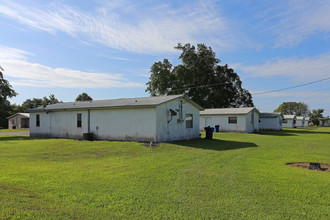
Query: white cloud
36	75
129	25
293	21
301	70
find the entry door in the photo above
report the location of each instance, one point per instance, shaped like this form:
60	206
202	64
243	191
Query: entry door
208	121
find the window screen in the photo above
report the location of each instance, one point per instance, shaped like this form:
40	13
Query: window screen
38	120
79	120
232	120
189	120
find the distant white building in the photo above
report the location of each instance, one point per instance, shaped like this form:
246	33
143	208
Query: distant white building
18	121
156	119
289	121
300	121
231	119
270	121
306	122
324	122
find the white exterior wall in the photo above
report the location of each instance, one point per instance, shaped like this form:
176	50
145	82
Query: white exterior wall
324	123
252	126
133	124
290	124
244	122
108	124
299	123
127	124
271	123
18	121
58	124
306	123
222	121
175	130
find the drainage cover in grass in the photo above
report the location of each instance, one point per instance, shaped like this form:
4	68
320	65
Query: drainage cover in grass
311	166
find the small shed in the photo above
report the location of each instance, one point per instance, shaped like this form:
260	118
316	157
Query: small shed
271	121
324	122
19	121
245	119
300	121
306	121
147	119
289	121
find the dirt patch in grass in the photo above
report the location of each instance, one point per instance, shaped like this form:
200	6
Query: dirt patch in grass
305	165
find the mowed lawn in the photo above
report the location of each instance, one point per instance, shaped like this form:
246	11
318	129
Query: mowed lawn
234	176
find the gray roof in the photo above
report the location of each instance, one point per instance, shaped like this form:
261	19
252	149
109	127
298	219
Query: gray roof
289	116
270	115
112	103
227	111
27	115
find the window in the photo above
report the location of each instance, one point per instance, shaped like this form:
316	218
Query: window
189	120
38	120
232	120
79	120
285	121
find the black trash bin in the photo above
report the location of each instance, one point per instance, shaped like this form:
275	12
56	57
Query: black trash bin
217	128
208	132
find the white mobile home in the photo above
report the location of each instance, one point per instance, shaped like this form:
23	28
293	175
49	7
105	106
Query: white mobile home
18	121
156	119
289	121
231	119
306	122
300	121
324	122
270	121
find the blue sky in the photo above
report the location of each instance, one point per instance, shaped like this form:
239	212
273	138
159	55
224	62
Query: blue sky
106	48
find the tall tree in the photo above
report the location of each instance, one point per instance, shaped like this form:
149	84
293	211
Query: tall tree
49	101
83	97
200	77
37	102
315	115
293	108
6	91
31	103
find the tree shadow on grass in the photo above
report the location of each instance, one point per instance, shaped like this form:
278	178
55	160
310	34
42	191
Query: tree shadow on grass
17	138
215	144
293	132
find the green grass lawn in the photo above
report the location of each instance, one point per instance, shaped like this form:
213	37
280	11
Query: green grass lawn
234	176
14	130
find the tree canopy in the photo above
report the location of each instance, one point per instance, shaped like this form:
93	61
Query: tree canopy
200	77
6	91
83	97
50	100
315	115
293	108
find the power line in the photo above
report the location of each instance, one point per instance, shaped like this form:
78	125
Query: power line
323	91
200	86
259	93
291	87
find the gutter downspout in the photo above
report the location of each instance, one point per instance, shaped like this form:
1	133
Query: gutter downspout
89	121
